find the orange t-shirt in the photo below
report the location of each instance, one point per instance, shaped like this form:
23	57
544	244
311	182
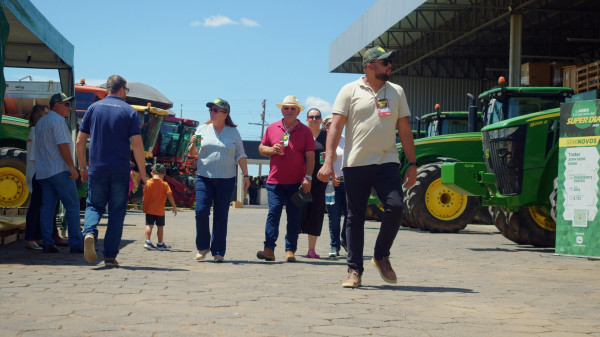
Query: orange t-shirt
155	196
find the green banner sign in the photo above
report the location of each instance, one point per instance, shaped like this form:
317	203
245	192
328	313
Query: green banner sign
577	218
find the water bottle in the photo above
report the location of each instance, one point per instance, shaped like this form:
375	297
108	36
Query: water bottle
330	193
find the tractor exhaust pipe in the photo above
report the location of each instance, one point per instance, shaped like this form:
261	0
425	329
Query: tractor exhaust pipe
472	113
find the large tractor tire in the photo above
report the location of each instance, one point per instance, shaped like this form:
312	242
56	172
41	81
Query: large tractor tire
533	225
499	219
407	220
483	216
374	212
435	207
13	184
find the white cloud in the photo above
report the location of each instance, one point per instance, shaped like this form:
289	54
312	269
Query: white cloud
319	103
249	22
218	20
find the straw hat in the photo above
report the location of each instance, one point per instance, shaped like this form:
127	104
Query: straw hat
290	100
329	118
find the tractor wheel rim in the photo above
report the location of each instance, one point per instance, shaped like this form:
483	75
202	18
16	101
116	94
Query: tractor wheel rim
542	219
443	203
13	187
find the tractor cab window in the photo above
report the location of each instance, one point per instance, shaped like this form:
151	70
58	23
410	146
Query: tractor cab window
432	128
451	126
519	106
169	134
494	112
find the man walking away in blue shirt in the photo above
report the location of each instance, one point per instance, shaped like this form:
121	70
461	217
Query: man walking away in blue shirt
110	124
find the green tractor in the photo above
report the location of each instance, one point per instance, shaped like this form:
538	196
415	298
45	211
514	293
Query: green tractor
13	162
518	178
429	205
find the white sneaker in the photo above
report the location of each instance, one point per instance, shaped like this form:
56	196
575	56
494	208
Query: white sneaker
333	252
89	248
201	255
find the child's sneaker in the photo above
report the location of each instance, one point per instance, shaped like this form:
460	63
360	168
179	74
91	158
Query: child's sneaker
163	246
149	246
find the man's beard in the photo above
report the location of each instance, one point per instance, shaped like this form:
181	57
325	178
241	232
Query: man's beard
383	76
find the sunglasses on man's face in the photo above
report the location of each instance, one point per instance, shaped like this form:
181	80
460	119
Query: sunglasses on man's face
67	104
292	108
386	62
215	109
315	117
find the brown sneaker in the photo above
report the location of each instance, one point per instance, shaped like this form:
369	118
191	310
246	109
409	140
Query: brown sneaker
267	254
289	256
385	269
352	280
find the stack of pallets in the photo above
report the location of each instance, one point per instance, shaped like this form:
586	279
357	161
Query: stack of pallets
588	77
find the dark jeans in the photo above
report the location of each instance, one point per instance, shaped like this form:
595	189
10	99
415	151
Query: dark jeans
33	231
32	220
112	190
334	213
211	191
387	181
278	196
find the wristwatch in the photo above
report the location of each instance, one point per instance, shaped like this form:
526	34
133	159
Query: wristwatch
412	164
246	176
308	177
85	168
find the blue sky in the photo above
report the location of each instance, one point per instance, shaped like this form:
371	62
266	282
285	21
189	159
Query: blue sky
196	51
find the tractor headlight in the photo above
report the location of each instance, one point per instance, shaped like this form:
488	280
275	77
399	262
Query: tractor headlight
502	133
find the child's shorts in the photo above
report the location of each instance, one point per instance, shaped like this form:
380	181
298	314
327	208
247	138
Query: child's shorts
159	219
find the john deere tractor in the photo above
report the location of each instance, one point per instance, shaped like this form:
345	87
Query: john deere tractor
516	178
429	205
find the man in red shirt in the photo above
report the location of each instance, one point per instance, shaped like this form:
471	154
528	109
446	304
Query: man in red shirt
291	149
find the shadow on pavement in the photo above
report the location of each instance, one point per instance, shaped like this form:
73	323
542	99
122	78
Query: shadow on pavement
419	289
138	268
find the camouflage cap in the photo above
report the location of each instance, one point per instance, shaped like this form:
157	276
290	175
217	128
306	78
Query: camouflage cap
159	168
375	53
221	103
60	97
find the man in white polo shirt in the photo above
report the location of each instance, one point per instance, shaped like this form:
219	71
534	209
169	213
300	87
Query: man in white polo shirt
56	172
371	108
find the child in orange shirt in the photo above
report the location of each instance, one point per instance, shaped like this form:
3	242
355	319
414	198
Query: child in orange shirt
156	192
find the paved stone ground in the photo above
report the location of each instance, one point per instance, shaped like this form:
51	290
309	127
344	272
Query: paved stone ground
474	283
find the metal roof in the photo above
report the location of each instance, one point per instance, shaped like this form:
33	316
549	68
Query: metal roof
469	39
32	41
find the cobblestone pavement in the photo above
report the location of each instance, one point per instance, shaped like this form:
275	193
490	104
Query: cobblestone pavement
474	283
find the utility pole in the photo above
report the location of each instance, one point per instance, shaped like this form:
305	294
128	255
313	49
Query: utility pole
181	111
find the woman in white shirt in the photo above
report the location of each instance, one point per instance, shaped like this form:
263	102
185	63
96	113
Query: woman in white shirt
220	150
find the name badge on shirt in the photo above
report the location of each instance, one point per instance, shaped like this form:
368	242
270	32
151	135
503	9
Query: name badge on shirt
285	138
383	107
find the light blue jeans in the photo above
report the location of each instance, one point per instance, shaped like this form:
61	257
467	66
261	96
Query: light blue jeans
335	213
63	187
103	189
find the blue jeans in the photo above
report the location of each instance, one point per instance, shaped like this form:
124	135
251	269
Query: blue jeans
334	213
219	192
103	189
63	187
278	196
387	181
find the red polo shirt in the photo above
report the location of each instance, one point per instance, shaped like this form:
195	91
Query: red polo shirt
290	167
